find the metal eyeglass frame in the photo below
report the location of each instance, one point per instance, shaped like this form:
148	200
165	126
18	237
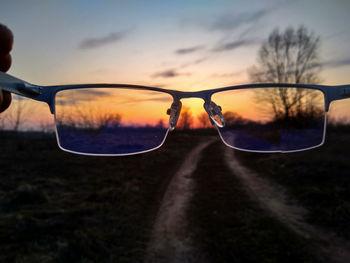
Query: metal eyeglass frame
47	94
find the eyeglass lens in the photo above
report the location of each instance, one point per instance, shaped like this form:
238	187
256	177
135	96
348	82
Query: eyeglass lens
111	120
126	121
272	119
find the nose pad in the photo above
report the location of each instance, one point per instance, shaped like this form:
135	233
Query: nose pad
174	113
215	113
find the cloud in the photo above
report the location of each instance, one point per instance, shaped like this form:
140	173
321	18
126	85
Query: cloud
67	98
337	63
233	45
227	75
96	42
164	98
173	72
230	21
194	62
183	51
93	92
169	73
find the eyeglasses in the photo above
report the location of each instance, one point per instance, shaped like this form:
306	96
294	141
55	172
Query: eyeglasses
118	119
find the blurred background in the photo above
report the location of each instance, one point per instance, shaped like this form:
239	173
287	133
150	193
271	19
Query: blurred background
59	207
184	45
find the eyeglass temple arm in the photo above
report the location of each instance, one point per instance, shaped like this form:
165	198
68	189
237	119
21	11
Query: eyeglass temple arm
18	86
338	92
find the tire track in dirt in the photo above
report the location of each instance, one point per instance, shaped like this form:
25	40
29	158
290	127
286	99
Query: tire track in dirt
169	240
274	200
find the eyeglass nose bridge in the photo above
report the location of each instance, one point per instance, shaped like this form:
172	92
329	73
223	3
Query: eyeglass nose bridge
215	113
174	112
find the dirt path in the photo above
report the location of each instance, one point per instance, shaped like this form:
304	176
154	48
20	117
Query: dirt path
169	240
274	200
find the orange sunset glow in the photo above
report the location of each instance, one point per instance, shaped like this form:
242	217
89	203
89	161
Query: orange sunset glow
180	45
134	107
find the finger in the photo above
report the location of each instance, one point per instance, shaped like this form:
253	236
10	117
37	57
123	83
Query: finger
6	40
5	100
6	43
5	62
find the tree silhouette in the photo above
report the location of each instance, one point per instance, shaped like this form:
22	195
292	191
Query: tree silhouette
16	116
186	119
288	57
95	120
160	124
87	117
233	118
204	121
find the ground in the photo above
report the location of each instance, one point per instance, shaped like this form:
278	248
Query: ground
193	200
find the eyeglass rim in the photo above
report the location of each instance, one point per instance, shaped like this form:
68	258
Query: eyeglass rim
281	151
47	93
108	154
218	129
330	93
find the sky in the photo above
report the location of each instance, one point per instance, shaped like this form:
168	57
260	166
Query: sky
182	45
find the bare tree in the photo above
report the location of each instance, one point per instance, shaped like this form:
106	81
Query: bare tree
186	119
88	117
160	124
16	115
288	57
204	121
47	126
233	118
2	121
96	120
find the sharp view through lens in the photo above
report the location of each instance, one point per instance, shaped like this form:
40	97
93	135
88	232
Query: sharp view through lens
194	199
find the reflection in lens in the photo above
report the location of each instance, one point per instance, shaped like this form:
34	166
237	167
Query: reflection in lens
272	119
111	121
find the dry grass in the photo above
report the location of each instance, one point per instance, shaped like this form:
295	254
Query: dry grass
59	207
319	179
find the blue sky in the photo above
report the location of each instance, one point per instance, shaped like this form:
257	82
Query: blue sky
185	45
135	41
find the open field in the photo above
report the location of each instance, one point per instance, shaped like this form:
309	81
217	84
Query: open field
60	207
319	179
230	227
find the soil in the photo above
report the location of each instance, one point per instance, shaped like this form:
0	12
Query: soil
274	199
170	242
